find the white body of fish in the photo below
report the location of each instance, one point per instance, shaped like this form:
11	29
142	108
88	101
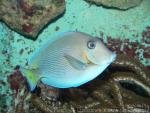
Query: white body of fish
67	61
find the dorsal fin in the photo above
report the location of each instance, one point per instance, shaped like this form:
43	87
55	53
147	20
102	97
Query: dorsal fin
36	57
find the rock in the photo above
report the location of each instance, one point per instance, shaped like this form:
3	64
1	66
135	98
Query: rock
119	4
28	17
17	81
48	92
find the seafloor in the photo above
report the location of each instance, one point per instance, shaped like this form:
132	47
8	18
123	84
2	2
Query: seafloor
125	31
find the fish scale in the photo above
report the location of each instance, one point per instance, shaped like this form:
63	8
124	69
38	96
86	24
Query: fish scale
56	66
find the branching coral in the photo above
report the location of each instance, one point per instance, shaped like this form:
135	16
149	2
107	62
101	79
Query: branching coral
134	66
125	87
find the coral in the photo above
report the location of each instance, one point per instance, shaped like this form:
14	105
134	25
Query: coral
28	17
146	35
119	4
3	97
124	87
16	80
131	48
20	91
48	92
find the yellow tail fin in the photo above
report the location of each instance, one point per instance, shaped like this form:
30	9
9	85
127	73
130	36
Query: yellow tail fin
31	77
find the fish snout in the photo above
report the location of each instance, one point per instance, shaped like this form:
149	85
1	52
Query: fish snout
113	57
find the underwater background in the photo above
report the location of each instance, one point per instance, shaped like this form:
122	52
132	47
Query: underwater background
125	30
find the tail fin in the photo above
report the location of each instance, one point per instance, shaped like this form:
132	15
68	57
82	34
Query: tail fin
31	77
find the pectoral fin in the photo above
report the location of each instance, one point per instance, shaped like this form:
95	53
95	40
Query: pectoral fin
77	64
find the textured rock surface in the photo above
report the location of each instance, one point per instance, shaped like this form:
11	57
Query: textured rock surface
28	17
120	4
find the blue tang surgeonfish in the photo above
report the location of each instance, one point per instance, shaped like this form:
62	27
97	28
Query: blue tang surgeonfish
68	60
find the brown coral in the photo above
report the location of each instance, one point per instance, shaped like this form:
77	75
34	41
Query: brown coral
125	87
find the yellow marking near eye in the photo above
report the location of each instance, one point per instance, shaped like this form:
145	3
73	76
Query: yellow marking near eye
87	59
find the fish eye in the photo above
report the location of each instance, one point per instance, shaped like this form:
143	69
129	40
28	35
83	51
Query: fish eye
91	44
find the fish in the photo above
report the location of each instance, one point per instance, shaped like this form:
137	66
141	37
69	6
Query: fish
68	60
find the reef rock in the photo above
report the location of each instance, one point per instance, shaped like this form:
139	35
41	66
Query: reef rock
28	17
119	4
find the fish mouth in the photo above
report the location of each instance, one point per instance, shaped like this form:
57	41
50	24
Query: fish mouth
85	56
